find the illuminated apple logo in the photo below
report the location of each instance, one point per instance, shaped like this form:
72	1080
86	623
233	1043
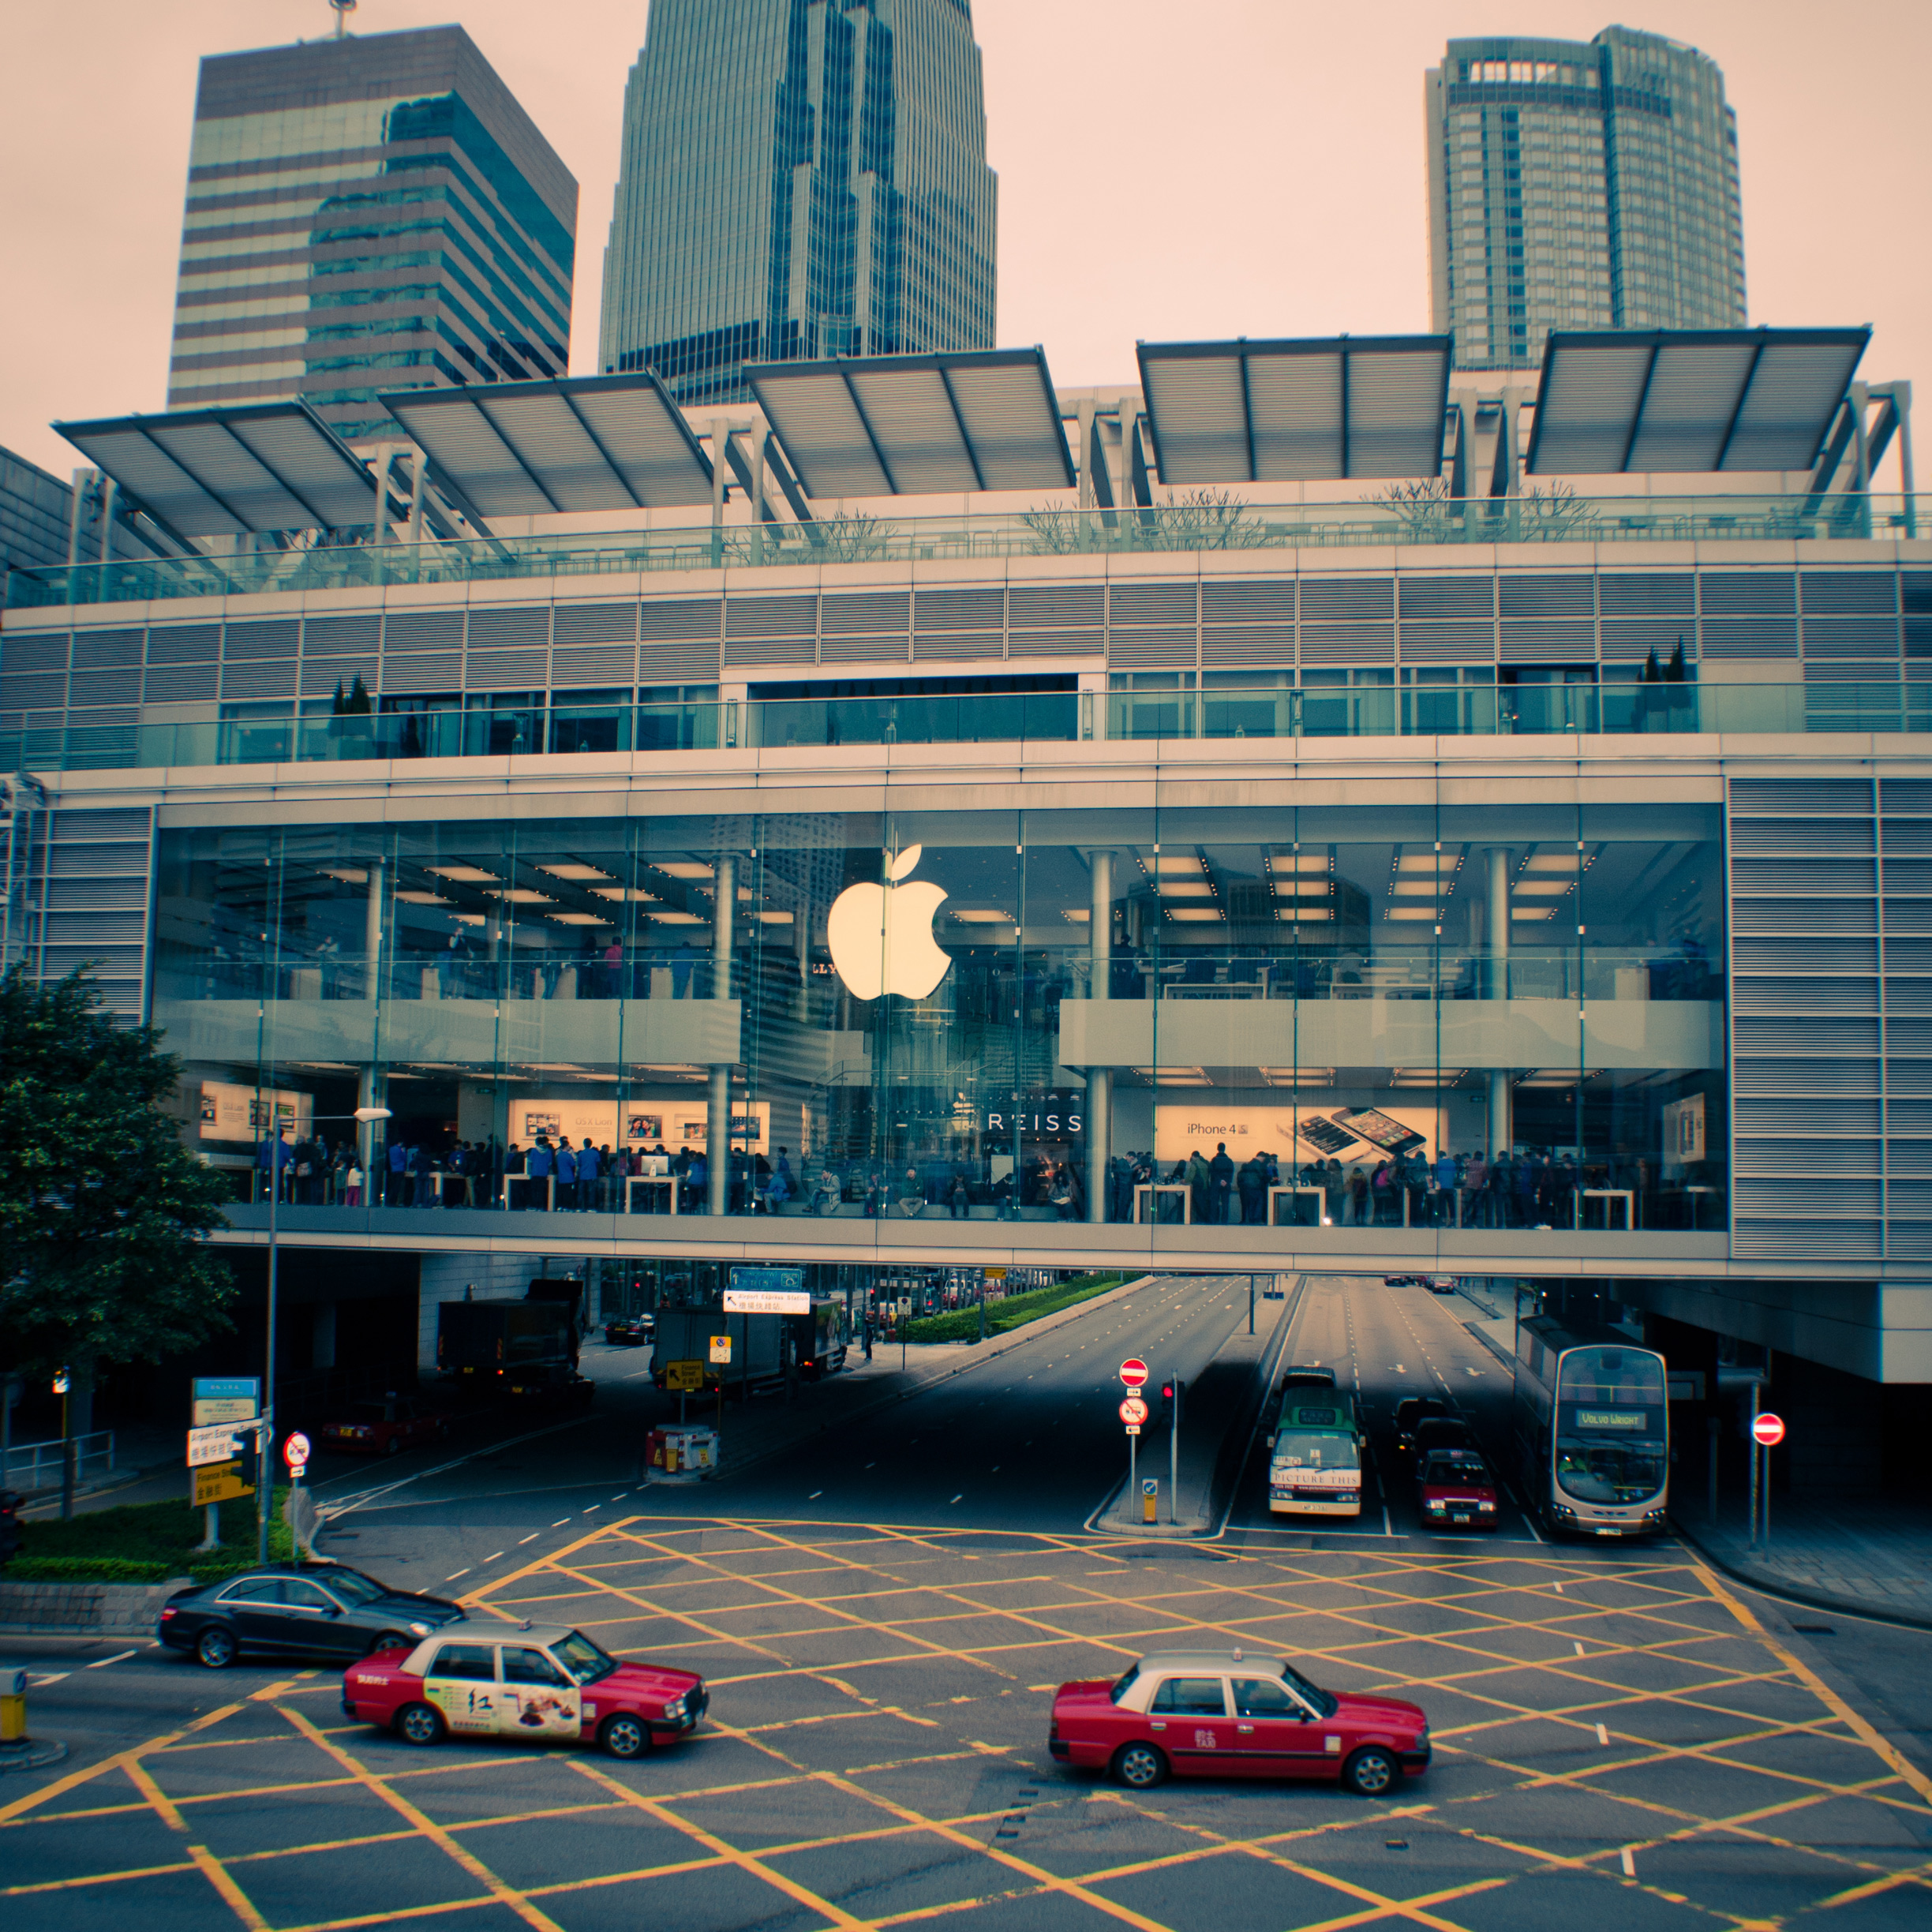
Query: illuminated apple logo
880	936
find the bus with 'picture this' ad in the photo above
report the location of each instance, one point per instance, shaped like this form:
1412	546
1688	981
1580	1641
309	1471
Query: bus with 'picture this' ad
1592	1424
1315	1460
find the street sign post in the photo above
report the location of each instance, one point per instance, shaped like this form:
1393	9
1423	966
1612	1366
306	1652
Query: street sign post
1150	1499
215	1471
295	1453
1134	1372
1133	1410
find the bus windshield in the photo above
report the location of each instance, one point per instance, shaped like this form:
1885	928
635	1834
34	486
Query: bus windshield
1316	1450
1610	1445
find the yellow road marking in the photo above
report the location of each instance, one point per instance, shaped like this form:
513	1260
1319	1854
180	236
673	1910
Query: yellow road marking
121	1760
236	1899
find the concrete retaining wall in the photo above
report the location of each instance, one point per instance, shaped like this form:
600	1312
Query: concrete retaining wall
83	1609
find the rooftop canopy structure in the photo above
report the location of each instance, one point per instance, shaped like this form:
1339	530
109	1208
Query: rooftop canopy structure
538	448
1320	410
232	471
1684	401
917	426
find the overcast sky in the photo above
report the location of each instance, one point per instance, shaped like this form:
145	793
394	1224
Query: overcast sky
1167	170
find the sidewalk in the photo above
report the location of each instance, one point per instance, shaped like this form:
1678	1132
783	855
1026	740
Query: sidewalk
1216	1424
1869	1556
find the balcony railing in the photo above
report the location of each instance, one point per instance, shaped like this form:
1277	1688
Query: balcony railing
1204	525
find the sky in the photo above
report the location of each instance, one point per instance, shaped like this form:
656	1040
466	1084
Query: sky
1169	170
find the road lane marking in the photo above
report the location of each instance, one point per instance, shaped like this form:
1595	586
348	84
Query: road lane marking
560	1522
460	1572
232	1895
531	1538
492	1559
1603	1736
1629	1863
120	1658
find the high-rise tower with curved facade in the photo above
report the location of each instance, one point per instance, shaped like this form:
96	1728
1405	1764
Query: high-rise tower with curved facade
798	178
1579	185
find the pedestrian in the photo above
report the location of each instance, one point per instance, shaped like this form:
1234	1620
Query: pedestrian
1221	1176
961	1201
1252	1184
398	1168
540	1170
353	1176
590	1168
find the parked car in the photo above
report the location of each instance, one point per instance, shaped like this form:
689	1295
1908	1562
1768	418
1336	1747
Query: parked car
1454	1487
1413	1409
547	1682
1217	1713
382	1427
308	1610
630	1331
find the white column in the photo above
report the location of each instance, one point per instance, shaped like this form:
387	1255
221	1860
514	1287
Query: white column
718	1113
1099	1080
1502	1128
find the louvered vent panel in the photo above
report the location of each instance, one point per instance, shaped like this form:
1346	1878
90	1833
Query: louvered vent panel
1904	838
1848	591
359	636
184	643
507	670
1906	795
1549	596
1907	996
420	672
1907	875
1808	876
594	623
1756	993
1908	1160
1328	598
1247	646
1547	641
179	684
423	630
678	664
865	613
1907	918
1792	796
1749	637
1347	643
247	680
861	649
1908	1080
1909	1240
1152	604
959	610
1830	1120
36	653
275	637
101	650
771	616
1032	607
1763	1078
1800	1155
1792	1241
1849	1197
1807	837
1803	916
1807	1036
1909	1116
1908	956
757	650
1748	590
104	687
33	691
675	619
1260	600
1829	639
1907	1036
1053	643
69	895
521	625
959	645
1171	649
1468	642
1447	597
587	665
1646	593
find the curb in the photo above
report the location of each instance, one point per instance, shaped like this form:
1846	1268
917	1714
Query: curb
1767	1584
30	1754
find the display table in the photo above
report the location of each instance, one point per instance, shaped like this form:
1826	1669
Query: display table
1277	1195
513	1183
633	1182
1143	1189
1627	1196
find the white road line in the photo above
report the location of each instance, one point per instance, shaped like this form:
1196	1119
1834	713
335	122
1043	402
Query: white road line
50	1677
1388	1529
1629	1863
959	1498
531	1538
560	1522
815	1495
1603	1736
1579	1648
490	1559
588	1507
460	1572
119	1657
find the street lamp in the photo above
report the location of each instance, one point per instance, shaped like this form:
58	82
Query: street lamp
264	1435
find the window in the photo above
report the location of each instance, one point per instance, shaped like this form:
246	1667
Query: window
252	1590
469	1663
300	1596
531	1666
1262	1697
1191	1696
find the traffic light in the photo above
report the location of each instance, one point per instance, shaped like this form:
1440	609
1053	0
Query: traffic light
249	1456
10	1524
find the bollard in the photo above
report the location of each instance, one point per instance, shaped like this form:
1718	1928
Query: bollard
1150	1499
13	1708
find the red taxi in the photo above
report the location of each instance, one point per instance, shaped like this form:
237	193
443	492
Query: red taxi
1217	1713
1454	1485
544	1682
383	1427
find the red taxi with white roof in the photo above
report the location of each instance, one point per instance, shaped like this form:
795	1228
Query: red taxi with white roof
1218	1713
545	1681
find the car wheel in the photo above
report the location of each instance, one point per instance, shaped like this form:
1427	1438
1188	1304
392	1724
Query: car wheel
1371	1773
215	1647
389	1640
419	1723
625	1736
1140	1767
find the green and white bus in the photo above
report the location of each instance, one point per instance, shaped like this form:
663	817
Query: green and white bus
1315	1460
1592	1423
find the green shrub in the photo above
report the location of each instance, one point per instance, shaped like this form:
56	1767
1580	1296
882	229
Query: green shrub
1014	1312
144	1542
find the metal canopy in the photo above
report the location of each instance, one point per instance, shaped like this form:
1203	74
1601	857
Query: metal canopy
579	443
917	426
1291	412
232	471
1676	401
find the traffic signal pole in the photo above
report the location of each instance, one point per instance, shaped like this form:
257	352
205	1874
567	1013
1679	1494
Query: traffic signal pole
1173	1456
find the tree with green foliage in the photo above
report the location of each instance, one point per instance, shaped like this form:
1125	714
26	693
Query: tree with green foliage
104	1214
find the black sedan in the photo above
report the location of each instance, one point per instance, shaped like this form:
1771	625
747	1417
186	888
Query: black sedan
319	1610
630	1331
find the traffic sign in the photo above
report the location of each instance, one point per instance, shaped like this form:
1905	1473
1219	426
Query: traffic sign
1768	1429
1134	1372
1133	1410
295	1452
207	1446
1134	1429
720	1348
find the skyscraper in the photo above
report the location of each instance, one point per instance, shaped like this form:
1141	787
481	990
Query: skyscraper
1579	185
374	212
798	178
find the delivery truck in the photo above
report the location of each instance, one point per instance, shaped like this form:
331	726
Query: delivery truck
523	1351
761	1347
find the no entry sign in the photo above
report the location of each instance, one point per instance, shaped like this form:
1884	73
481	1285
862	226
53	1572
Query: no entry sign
1134	1372
1768	1428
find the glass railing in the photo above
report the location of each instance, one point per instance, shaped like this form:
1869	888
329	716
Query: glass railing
272	736
1181	527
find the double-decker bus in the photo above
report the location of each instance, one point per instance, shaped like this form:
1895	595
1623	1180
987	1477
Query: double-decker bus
1315	1460
1593	1428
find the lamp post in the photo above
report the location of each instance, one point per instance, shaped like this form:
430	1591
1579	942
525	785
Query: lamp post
265	1436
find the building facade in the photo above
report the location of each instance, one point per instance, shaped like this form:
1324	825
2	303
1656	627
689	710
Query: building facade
38	522
368	213
798	179
1579	185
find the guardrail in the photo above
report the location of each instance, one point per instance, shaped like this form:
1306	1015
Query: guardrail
33	1467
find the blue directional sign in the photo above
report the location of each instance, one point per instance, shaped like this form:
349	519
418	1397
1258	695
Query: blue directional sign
767	1291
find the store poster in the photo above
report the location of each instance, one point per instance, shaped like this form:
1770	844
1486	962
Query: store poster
242	1114
1180	1130
1683	1134
645	1124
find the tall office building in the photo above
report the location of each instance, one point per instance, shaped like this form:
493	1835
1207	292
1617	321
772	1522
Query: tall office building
375	212
1579	185
798	178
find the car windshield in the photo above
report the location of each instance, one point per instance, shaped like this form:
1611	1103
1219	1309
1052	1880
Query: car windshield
1312	1449
1597	1469
1467	1471
582	1658
1323	1700
1611	1429
351	1585
1124	1682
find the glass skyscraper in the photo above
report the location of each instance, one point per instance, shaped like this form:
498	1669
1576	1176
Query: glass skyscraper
798	178
1579	185
374	212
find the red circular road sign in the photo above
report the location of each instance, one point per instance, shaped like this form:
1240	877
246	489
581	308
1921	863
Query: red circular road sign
1134	1372
1133	1410
1768	1429
296	1451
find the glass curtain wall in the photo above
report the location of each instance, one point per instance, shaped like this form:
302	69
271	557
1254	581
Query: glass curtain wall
1428	1014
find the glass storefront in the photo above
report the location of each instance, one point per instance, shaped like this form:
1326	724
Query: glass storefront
1419	1014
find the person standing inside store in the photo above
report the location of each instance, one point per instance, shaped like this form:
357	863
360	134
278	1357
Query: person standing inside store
1221	1171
